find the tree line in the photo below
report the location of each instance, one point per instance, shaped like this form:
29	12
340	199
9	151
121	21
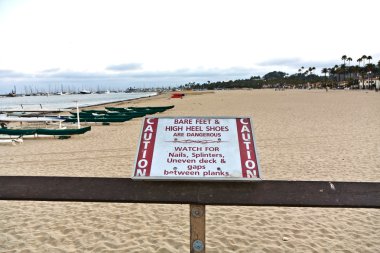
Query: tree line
337	76
350	75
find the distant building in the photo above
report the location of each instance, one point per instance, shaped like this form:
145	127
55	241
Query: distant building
372	82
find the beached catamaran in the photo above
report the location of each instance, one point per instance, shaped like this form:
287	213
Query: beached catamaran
148	109
96	118
28	112
114	114
42	132
49	129
52	126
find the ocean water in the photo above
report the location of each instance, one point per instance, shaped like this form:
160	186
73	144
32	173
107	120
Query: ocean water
67	101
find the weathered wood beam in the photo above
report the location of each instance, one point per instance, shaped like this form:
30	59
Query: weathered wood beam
126	190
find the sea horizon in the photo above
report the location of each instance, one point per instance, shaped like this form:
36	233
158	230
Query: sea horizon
67	101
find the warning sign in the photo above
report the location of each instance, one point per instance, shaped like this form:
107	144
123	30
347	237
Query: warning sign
192	148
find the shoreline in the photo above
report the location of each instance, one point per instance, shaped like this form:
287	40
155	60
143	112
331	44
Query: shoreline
163	95
68	101
114	102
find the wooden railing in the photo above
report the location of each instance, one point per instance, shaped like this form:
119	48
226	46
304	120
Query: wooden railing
197	194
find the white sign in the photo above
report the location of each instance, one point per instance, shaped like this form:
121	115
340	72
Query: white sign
194	148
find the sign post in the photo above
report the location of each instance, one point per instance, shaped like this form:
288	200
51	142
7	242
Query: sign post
197	228
197	148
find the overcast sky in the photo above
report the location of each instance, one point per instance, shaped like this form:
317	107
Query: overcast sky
150	43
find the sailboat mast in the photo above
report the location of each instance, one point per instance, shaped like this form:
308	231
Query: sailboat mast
78	120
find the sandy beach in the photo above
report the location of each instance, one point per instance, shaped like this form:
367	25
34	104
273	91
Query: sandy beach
300	135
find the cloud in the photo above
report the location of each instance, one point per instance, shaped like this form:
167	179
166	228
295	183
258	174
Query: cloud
6	73
126	79
77	75
125	67
50	70
296	63
179	73
281	62
376	56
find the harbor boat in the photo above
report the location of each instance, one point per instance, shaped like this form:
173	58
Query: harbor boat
105	116
28	112
146	110
97	119
12	93
118	109
88	114
85	92
38	127
157	108
100	111
42	132
8	119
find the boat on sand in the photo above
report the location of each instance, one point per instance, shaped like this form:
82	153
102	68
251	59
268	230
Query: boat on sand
37	127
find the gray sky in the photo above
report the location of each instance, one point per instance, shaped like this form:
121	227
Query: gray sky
161	43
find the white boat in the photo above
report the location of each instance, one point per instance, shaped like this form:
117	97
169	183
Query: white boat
33	108
8	119
52	126
85	92
11	140
32	112
39	110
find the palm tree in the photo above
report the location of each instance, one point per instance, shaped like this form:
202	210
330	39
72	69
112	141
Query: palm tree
351	69
362	74
369	58
344	58
325	71
311	70
359	61
364	57
356	69
343	70
300	70
343	67
349	59
336	71
332	72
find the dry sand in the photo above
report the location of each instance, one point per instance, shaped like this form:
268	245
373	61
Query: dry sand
301	135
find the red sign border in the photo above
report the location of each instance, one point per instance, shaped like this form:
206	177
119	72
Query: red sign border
163	178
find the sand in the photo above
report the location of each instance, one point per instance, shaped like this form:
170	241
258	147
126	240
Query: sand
300	135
